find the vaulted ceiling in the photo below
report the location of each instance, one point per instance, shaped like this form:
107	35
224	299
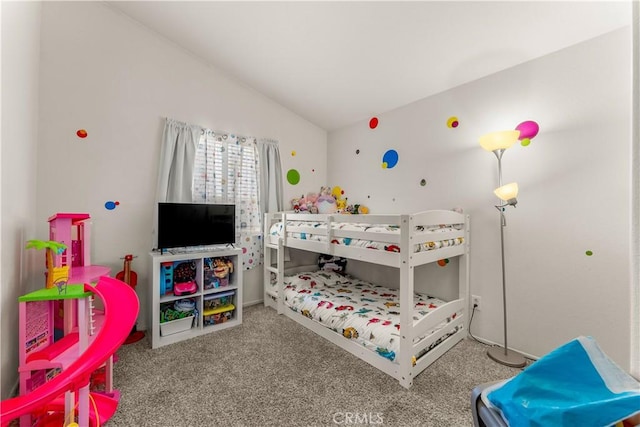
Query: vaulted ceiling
338	62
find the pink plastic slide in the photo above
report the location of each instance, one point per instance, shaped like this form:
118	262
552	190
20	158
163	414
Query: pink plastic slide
121	308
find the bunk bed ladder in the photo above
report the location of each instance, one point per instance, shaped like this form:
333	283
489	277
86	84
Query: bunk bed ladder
280	276
268	259
276	267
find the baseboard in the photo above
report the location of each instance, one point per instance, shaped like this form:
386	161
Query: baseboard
491	343
249	303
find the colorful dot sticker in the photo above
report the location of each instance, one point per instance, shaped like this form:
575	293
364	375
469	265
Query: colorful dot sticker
293	153
373	123
525	142
589	253
110	205
452	122
81	133
423	182
389	159
293	176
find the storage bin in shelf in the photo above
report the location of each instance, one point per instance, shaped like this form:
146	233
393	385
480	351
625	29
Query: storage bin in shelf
176	326
219	299
218	315
218	291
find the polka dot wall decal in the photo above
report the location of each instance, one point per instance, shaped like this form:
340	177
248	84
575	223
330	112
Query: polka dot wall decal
293	153
423	182
293	176
389	159
452	122
357	151
81	133
110	205
373	123
589	253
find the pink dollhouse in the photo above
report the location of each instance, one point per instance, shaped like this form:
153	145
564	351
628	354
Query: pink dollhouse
73	230
69	310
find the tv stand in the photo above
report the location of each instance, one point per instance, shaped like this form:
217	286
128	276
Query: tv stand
196	249
216	304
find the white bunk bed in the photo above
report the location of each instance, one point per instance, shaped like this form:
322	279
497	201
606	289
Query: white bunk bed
400	241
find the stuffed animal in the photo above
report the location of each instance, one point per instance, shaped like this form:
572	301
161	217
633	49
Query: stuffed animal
312	200
326	205
358	209
303	204
341	203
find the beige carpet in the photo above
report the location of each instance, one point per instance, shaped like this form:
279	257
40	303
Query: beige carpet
270	371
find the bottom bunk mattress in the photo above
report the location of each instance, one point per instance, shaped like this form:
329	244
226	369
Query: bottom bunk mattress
356	309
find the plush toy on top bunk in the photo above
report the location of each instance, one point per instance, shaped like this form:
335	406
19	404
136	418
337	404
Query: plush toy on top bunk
328	201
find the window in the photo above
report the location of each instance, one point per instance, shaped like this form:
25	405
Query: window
226	170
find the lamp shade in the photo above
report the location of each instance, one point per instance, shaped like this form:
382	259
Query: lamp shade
500	140
507	192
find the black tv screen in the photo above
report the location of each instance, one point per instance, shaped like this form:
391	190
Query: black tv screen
195	224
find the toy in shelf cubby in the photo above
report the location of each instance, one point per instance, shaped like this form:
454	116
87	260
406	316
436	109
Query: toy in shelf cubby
217	271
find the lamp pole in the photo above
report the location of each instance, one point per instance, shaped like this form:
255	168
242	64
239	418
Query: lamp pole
506	357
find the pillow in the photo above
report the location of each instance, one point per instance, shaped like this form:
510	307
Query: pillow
332	263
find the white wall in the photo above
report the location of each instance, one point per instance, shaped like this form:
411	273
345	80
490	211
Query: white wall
107	74
574	182
20	58
634	301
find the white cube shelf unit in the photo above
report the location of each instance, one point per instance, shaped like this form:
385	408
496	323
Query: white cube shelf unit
217	303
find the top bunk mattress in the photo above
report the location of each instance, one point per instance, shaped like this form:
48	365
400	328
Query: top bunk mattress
318	232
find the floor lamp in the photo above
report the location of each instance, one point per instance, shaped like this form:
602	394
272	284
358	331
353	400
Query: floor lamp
498	142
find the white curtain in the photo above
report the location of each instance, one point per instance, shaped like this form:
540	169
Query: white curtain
177	156
175	172
271	194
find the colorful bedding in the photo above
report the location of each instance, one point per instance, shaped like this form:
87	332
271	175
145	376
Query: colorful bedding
277	230
358	310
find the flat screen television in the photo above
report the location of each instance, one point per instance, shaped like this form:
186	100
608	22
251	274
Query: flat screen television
195	224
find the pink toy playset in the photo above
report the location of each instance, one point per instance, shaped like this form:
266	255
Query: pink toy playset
55	401
56	368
